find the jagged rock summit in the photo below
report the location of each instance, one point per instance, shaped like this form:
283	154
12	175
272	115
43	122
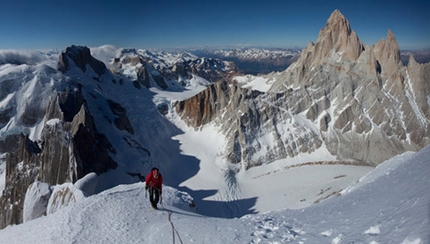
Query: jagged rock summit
358	101
81	57
337	36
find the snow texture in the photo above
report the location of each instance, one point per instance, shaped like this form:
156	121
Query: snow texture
389	205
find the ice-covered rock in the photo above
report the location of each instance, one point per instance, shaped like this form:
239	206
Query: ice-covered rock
36	200
62	196
87	184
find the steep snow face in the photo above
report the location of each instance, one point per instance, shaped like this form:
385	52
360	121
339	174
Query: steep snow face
25	94
388	205
36	200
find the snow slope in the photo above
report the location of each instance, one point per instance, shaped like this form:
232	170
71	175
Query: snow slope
388	205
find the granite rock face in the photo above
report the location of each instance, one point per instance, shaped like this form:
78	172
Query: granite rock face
336	36
357	100
368	105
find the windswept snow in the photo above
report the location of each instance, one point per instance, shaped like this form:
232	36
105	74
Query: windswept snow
389	205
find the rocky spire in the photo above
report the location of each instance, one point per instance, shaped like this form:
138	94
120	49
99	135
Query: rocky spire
338	23
338	37
388	49
336	40
388	54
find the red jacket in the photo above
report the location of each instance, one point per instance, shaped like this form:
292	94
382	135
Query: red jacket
153	181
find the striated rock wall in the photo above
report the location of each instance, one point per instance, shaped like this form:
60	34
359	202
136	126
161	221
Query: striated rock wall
203	107
248	119
358	100
22	168
376	108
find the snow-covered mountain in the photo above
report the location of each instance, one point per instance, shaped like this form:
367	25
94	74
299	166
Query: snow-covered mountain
65	117
387	205
161	69
82	122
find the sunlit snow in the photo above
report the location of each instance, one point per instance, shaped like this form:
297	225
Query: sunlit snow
390	205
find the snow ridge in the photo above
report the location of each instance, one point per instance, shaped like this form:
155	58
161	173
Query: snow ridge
388	206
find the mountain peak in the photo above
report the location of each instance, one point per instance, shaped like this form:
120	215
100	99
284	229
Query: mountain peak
337	36
338	22
390	35
387	53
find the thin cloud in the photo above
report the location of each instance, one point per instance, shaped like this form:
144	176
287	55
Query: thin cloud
19	57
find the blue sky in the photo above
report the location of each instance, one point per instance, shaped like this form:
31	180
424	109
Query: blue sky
41	24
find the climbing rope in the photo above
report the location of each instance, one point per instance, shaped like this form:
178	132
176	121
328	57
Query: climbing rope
174	230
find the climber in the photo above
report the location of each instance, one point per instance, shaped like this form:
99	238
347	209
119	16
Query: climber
153	184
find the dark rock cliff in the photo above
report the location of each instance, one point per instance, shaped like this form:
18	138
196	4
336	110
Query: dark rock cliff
81	57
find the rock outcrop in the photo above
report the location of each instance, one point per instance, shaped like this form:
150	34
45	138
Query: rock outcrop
81	57
21	171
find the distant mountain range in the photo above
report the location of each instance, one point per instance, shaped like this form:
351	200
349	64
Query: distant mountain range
254	60
421	56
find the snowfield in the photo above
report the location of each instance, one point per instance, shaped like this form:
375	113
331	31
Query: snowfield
390	204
